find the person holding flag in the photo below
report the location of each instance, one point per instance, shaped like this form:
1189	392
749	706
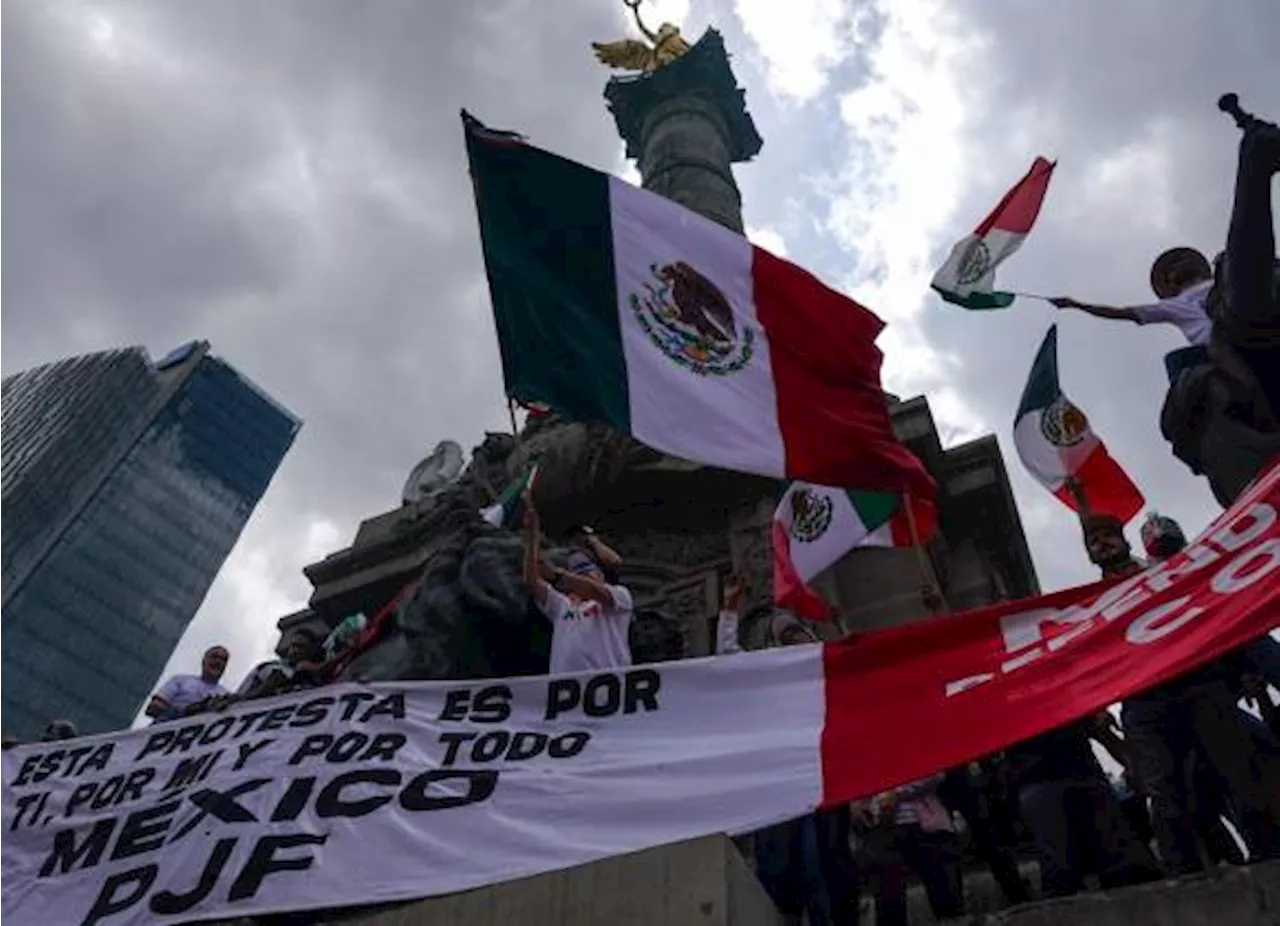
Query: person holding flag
1181	279
590	618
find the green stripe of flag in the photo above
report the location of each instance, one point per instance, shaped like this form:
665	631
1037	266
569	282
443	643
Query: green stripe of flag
1042	385
546	232
977	299
874	508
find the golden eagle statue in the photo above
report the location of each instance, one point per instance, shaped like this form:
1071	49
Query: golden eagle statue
634	55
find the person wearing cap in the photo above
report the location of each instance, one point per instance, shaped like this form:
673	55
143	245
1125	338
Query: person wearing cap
1181	279
181	694
590	618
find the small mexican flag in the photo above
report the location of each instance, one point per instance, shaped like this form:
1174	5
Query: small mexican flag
814	526
969	275
614	304
506	511
1058	446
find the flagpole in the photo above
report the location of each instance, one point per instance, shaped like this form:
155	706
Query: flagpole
1022	295
932	594
511	411
1077	492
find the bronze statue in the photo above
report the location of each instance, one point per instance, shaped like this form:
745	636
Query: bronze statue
634	55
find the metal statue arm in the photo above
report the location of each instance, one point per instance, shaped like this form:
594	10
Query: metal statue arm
634	6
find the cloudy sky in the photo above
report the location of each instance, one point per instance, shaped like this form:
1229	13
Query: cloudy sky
286	179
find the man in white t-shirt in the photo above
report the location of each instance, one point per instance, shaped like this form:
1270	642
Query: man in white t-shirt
1181	278
590	619
179	694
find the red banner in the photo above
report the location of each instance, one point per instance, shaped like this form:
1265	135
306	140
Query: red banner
913	700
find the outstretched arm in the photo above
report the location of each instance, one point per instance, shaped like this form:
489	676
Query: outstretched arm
1119	313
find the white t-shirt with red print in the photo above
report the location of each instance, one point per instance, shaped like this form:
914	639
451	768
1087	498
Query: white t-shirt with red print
587	635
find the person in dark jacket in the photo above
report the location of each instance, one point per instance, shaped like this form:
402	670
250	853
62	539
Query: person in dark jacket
1073	815
1194	720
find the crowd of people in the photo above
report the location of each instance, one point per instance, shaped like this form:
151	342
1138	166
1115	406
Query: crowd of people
1200	774
1200	782
1200	785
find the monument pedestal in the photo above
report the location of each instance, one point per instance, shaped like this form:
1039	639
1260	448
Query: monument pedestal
702	882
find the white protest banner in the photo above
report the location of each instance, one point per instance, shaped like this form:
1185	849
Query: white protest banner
353	795
361	794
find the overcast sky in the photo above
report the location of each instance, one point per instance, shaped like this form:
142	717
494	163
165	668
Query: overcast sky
287	180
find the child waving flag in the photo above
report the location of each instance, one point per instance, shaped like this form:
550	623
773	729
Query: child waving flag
969	275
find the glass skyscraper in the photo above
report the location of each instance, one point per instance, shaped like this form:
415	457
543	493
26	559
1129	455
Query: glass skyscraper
125	485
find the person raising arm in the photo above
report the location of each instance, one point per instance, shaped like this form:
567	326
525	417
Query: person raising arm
1181	279
590	618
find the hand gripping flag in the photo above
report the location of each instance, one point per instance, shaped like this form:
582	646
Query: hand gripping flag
968	277
506	511
814	526
614	304
1058	446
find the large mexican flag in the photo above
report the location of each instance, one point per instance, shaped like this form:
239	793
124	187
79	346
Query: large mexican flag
614	304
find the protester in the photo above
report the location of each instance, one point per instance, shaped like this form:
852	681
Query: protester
184	694
1180	278
805	865
590	618
1073	814
1194	720
915	833
303	666
1107	547
990	823
59	730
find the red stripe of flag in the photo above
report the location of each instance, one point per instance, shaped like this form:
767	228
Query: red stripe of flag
1017	211
789	590
826	371
1106	487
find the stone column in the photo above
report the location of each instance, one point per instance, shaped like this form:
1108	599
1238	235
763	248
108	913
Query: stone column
684	156
686	125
